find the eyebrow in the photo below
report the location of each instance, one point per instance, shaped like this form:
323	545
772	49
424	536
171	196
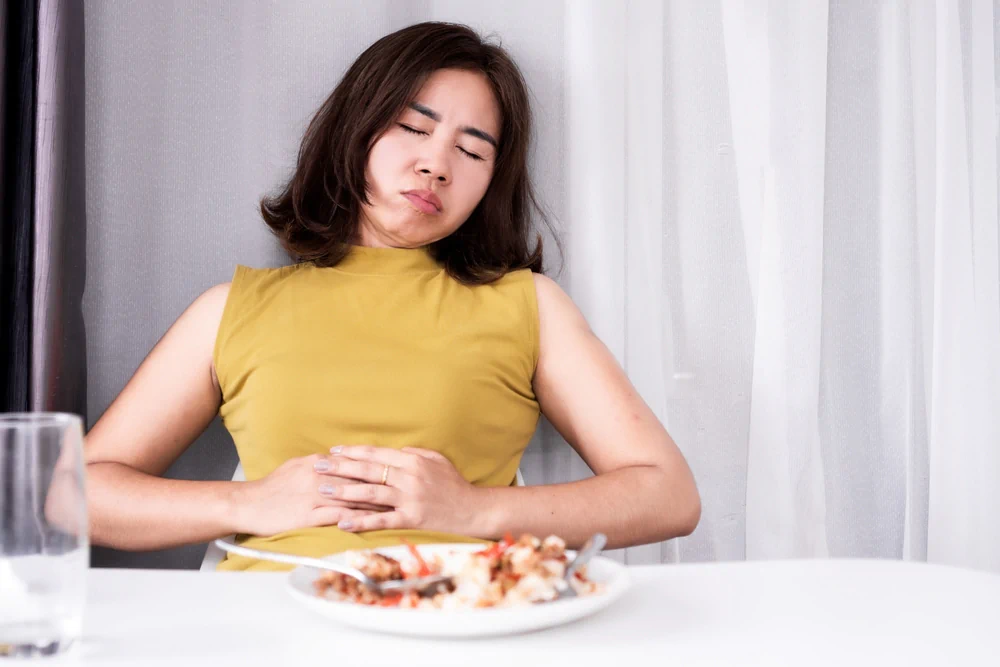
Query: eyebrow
465	129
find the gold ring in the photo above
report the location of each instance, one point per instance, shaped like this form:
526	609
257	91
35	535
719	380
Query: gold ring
385	475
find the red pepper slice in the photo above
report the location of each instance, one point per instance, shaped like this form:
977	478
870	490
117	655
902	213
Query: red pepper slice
497	548
424	570
492	551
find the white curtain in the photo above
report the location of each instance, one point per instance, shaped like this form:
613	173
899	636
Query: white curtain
780	216
839	296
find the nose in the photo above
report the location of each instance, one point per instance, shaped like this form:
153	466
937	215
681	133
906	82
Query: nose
433	162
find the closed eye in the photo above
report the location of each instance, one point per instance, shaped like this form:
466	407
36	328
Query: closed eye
475	157
413	130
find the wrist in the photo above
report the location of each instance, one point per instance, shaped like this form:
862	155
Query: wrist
488	520
235	518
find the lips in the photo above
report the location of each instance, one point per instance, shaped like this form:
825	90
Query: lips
424	201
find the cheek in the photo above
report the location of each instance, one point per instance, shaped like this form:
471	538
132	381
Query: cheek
383	165
477	185
473	189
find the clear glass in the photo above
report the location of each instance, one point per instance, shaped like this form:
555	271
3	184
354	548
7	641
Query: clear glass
44	542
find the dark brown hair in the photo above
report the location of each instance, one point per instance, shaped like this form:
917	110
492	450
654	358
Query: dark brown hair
316	214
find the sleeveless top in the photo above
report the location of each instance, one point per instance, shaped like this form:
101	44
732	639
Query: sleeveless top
383	349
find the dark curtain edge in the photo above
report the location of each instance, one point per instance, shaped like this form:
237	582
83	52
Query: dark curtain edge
20	75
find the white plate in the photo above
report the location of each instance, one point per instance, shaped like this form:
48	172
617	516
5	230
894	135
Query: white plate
465	622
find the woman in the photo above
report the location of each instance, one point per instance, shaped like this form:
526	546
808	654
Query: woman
385	385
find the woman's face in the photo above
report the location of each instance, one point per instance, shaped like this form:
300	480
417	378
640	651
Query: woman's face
431	168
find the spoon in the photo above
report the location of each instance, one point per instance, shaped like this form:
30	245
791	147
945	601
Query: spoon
419	584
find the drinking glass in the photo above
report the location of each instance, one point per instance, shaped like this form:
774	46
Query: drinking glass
44	541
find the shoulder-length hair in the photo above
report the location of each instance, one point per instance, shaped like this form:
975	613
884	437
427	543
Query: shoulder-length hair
316	214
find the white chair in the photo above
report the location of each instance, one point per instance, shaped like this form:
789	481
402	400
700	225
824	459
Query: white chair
214	555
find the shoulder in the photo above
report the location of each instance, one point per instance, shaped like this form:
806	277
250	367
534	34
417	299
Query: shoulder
555	308
250	284
215	296
208	306
269	274
547	289
201	320
518	277
512	287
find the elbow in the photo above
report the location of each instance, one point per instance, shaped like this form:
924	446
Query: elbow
97	514
676	506
690	515
686	502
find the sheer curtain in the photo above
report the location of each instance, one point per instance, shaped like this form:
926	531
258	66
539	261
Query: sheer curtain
829	239
780	216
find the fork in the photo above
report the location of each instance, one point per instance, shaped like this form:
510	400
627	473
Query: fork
590	548
419	584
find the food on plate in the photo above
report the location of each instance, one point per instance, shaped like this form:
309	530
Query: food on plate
504	574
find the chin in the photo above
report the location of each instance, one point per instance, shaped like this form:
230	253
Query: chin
420	232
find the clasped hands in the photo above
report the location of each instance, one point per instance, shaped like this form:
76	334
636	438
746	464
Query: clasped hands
362	488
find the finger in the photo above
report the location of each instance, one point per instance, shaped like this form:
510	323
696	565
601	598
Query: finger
329	477
356	471
382	455
383	521
370	508
325	501
426	453
330	493
326	465
331	516
371	473
374	494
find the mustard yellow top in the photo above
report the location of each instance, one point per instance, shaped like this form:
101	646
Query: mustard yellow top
383	349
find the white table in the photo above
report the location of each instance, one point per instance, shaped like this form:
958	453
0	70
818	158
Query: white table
800	613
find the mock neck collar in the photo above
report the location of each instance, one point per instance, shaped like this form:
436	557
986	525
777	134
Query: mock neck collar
365	260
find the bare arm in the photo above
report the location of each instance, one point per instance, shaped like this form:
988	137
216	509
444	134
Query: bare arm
643	490
170	400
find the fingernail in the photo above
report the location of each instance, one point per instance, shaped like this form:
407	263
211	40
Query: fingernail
321	466
327	489
336	450
345	525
